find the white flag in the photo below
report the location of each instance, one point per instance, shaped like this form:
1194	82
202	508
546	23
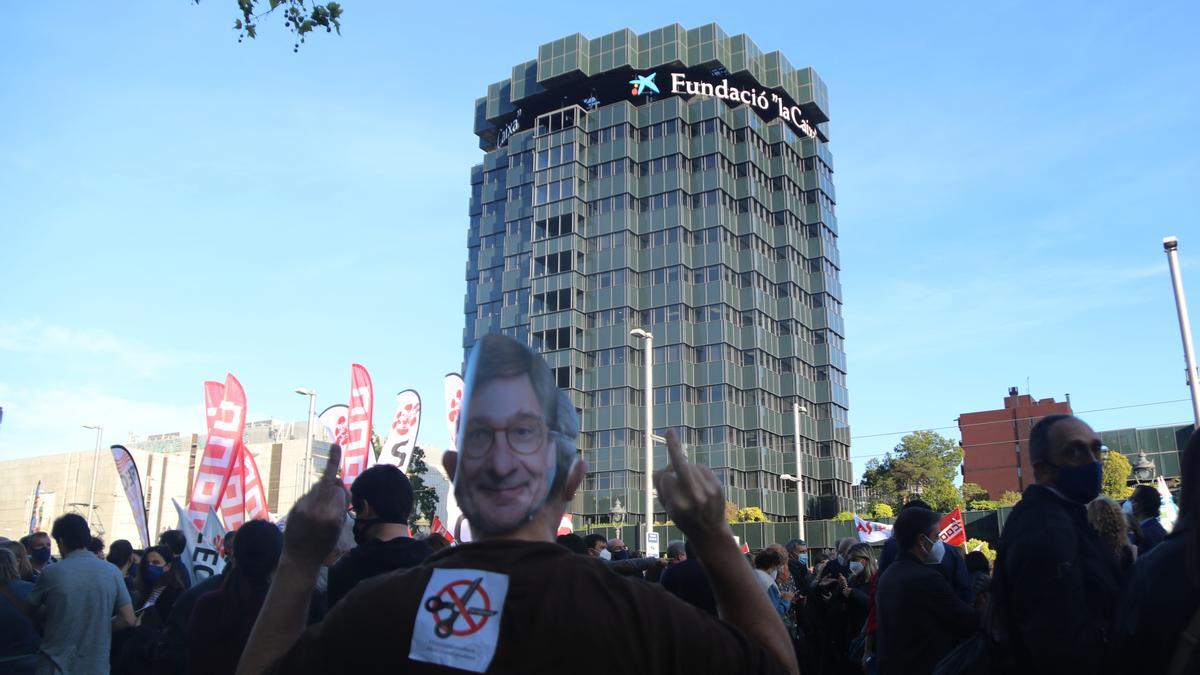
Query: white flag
402	437
1169	512
871	532
202	554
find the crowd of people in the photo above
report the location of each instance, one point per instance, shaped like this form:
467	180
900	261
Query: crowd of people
1080	583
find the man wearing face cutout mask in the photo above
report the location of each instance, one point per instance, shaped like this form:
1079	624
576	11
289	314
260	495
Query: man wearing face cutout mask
382	499
511	599
1054	580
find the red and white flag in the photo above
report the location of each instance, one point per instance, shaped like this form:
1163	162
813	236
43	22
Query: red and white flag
952	530
870	531
453	388
244	497
439	527
357	455
565	526
402	437
228	423
334	421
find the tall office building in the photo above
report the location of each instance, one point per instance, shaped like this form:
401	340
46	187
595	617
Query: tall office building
677	181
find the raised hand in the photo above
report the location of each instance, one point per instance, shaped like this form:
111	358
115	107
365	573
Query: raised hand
314	523
692	495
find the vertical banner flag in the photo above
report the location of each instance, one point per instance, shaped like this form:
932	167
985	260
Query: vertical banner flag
952	530
1170	512
335	420
244	497
871	532
220	450
452	386
33	513
356	454
132	482
202	553
402	437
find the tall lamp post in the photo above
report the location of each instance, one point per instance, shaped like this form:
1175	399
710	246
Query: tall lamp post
796	410
648	367
95	469
312	415
1171	246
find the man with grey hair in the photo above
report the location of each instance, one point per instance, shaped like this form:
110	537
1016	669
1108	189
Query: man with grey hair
512	600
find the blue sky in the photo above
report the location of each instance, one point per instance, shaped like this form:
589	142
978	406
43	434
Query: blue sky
175	205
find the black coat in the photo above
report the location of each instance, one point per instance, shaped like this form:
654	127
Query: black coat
372	559
1058	585
1158	602
688	582
1153	533
920	618
953	567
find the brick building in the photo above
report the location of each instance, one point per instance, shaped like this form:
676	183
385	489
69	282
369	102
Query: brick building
995	443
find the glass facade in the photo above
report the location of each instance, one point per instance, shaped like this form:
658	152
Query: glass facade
1163	446
697	205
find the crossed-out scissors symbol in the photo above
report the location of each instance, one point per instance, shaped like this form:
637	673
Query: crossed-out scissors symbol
457	606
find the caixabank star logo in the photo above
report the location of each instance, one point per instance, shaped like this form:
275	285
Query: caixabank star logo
643	82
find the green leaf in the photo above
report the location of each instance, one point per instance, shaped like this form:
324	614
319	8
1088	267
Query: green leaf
275	3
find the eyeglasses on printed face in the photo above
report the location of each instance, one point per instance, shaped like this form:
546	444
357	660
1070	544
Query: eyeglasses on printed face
525	436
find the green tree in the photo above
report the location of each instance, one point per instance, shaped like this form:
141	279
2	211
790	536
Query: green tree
844	515
983	505
981	545
942	495
1010	498
973	492
425	499
882	510
301	17
921	459
751	514
1116	476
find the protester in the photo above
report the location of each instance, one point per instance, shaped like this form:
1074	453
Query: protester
848	608
981	577
171	652
157	587
1161	600
1056	581
177	543
96	547
919	616
1107	519
18	639
24	567
1147	506
517	471
573	543
82	601
687	581
382	500
798	559
952	566
221	622
767	564
596	546
120	553
617	549
38	546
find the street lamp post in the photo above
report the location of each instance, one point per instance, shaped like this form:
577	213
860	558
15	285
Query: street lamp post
1171	246
617	513
312	415
648	367
95	468
796	410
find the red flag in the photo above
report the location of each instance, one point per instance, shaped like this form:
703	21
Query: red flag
952	530
228	423
244	496
439	528
745	548
356	456
565	526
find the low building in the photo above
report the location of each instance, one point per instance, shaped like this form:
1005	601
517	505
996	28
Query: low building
1153	451
995	443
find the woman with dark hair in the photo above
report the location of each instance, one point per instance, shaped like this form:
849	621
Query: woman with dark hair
18	639
155	590
24	567
1161	600
221	622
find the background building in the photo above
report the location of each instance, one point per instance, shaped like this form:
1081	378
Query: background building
995	443
1153	451
678	181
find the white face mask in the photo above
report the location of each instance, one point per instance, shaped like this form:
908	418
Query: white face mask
855	567
935	553
605	555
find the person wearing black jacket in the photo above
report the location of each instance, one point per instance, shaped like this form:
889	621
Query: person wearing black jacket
1147	506
920	617
382	499
1056	581
1162	594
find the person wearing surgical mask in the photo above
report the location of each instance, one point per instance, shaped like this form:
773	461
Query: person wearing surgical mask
767	565
920	618
38	544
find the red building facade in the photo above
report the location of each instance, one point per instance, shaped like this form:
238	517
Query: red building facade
995	443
